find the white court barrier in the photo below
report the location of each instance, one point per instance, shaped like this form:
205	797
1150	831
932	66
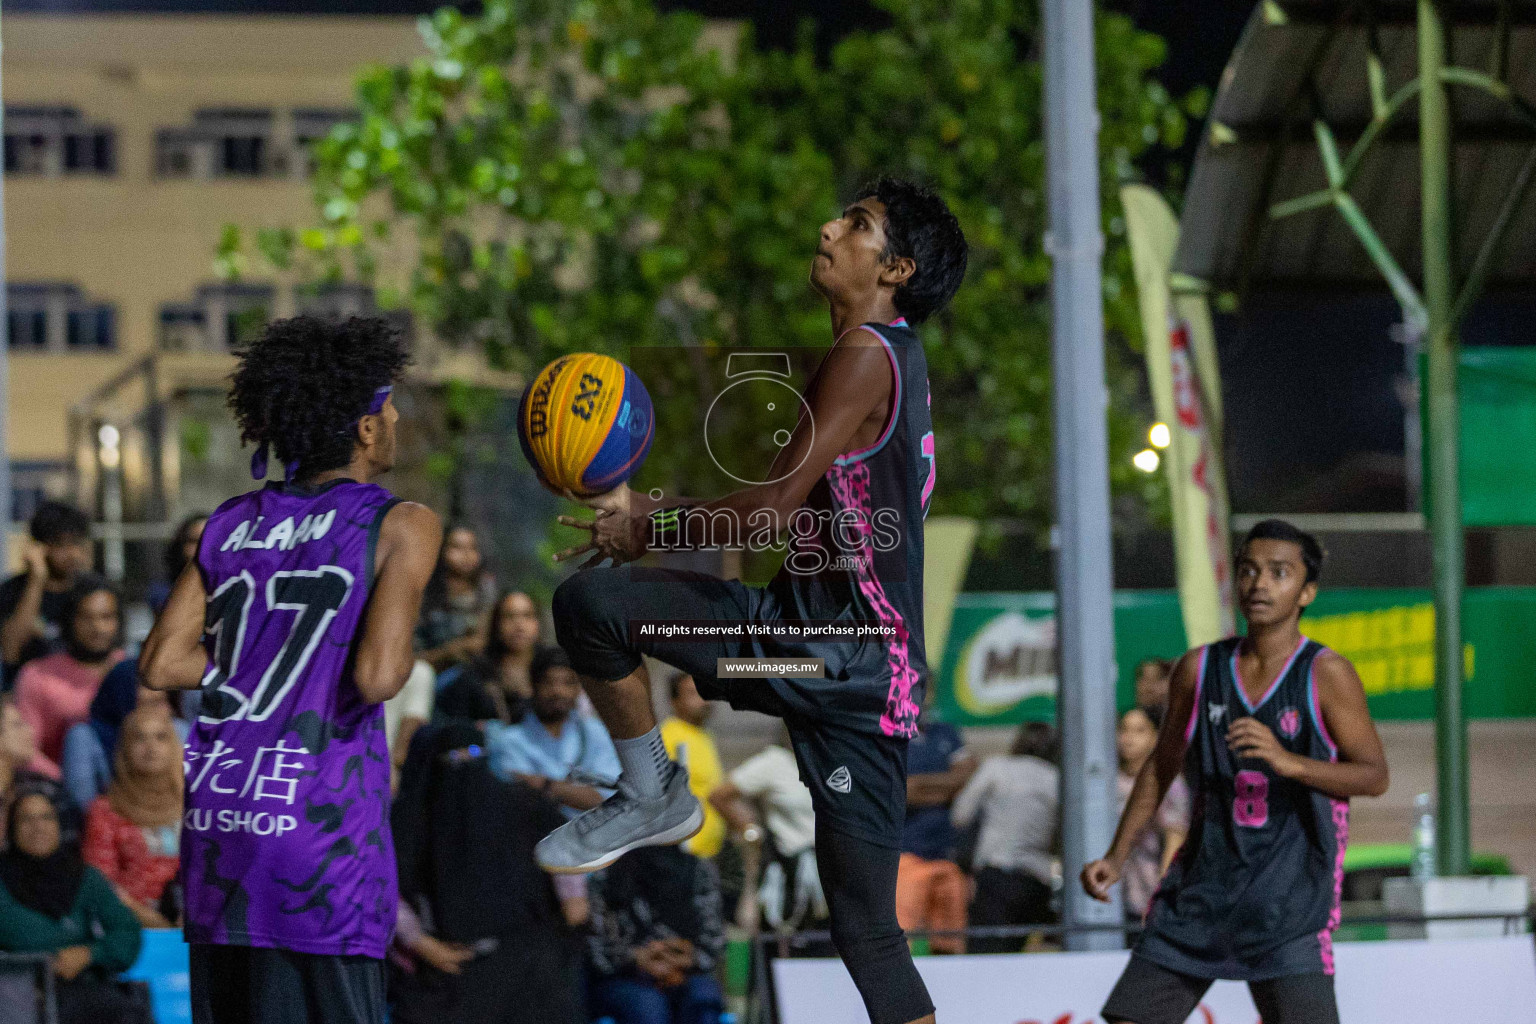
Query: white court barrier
1477	981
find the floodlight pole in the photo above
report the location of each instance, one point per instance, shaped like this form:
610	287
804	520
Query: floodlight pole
1440	390
1084	582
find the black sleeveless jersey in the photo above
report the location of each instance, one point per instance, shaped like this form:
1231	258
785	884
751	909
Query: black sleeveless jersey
1254	893
862	561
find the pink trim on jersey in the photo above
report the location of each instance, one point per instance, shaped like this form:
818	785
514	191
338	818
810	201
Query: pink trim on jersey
1341	838
850	485
900	321
1315	708
1194	712
890	423
1237	676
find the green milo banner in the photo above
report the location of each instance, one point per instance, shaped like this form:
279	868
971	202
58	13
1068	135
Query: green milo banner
999	661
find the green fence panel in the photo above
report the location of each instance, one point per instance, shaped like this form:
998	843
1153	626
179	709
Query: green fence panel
999	665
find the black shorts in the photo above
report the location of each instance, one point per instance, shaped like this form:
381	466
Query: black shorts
1149	993
857	776
256	985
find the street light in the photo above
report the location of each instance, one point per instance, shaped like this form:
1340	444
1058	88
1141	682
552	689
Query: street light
1146	460
1160	435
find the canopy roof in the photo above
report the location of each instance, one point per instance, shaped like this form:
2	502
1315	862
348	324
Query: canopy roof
1301	60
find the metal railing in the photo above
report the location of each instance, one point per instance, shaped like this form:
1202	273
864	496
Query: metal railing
45	1005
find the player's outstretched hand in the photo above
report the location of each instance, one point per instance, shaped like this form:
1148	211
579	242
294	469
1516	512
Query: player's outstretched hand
1098	876
618	528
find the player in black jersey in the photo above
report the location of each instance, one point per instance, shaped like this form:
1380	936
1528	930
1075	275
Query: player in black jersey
851	488
1273	735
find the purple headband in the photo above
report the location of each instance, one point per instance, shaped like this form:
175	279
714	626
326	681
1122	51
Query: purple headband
259	457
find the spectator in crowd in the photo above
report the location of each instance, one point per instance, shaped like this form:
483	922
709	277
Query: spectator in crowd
930	887
1152	676
554	748
494	684
178	553
51	902
32	604
90	746
406	712
20	762
764	801
457	598
1012	803
1157	846
689	745
54	692
656	937
133	833
501	947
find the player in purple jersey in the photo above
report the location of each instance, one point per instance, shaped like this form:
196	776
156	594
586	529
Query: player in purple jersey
1273	735
850	487
295	620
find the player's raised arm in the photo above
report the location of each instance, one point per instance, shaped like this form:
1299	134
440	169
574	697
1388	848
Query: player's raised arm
853	382
409	539
173	657
1153	780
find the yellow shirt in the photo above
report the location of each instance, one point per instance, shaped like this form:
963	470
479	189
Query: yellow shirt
704	774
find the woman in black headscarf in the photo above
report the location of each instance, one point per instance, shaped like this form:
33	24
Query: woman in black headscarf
51	902
502	949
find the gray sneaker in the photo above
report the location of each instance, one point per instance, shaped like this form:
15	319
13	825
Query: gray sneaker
619	824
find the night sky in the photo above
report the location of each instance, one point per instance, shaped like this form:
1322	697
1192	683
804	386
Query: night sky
1314	419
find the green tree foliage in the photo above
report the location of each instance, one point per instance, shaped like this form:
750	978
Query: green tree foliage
592	174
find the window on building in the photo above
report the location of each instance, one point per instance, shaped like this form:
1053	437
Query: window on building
218	319
50	141
58	318
311	125
220	143
33	483
340	300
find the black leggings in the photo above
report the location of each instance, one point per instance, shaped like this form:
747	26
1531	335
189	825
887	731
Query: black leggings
859	879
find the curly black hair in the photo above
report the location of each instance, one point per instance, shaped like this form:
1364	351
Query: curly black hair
303	385
55	522
920	226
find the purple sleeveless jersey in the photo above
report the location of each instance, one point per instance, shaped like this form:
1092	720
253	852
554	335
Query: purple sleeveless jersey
286	841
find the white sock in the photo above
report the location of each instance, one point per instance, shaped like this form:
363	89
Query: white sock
646	765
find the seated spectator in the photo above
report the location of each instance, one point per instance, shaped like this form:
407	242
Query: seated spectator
494	684
32	603
20	763
404	713
688	744
51	902
555	749
1013	803
930	887
764	801
458	597
133	833
656	938
178	554
1152	679
90	746
1159	844
488	937
55	692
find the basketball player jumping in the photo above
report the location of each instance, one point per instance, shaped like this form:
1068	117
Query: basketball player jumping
860	462
1273	735
296	620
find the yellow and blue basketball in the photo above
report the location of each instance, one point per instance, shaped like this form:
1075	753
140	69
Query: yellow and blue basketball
585	423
